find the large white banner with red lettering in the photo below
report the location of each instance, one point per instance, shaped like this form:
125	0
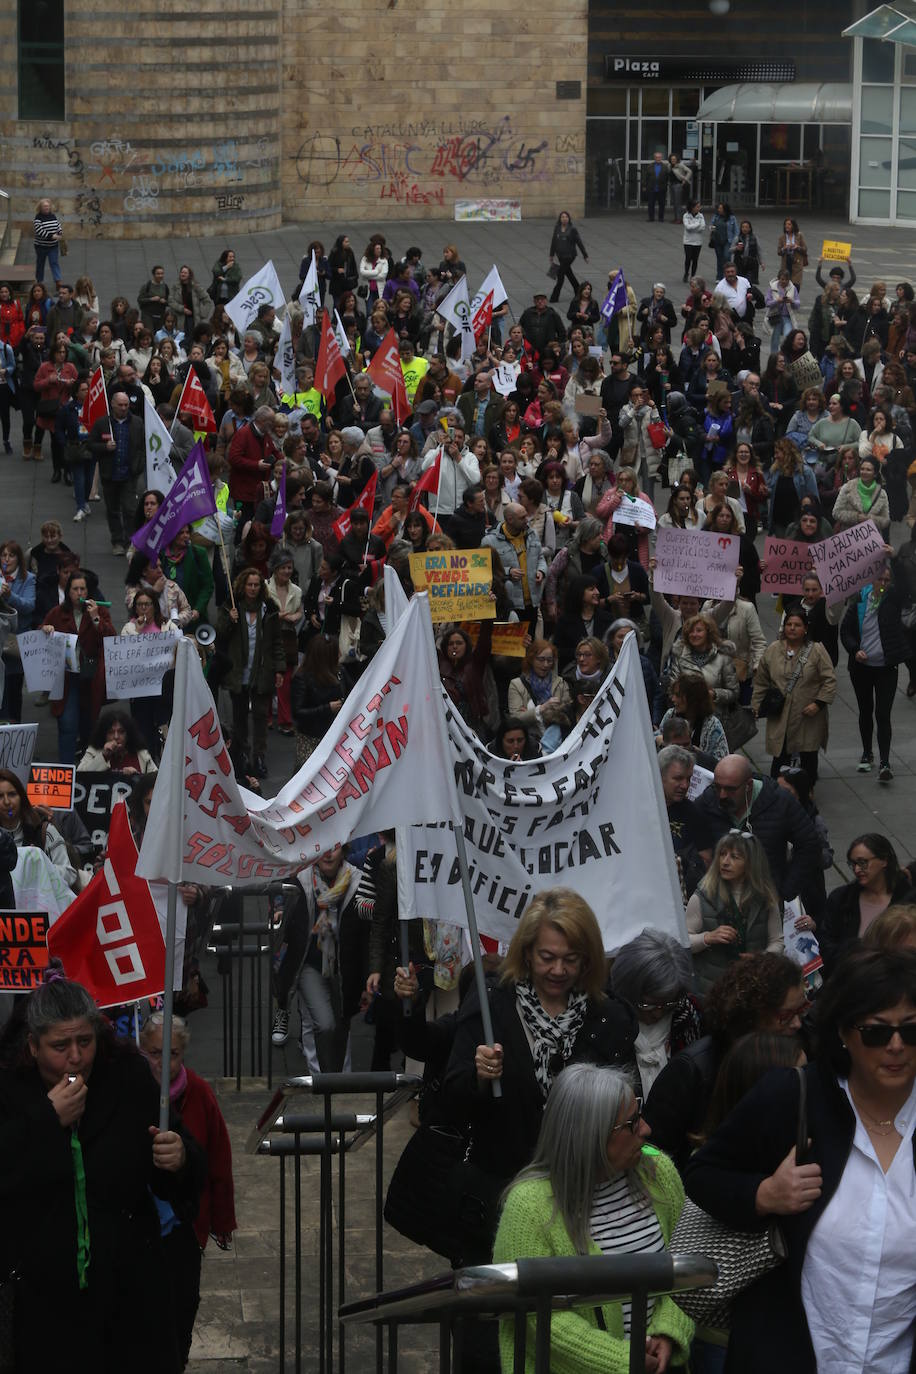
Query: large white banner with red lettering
385	762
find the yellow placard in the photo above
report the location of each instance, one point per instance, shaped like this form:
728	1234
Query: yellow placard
507	637
459	582
832	251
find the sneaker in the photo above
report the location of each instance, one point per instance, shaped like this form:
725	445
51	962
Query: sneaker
865	763
280	1032
80	515
884	773
118	550
86	512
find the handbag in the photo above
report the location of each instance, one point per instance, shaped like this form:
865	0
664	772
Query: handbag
773	700
46	409
741	1257
658	435
739	725
553	271
439	1199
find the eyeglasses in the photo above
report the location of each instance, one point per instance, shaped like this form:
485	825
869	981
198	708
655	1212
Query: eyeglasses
878	1034
856	864
632	1122
657	1006
543	658
570	962
785	1018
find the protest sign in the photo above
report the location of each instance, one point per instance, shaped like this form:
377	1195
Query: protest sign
586	404
700	779
43	662
833	251
459	582
633	510
95	795
51	785
17	745
23	949
696	563
504	378
784	565
590	817
507	638
136	664
849	560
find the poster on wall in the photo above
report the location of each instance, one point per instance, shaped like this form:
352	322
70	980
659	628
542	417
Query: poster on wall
488	209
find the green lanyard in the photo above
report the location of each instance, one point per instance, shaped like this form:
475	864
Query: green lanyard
82	1211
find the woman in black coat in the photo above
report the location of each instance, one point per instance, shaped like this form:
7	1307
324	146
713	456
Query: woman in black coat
564	244
583	618
874	675
343	274
876	877
549	1010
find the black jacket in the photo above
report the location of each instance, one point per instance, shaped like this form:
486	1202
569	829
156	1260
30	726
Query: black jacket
665	318
895	641
542	327
679	1098
467	529
838	927
769	1330
777	819
505	1130
352	948
99	436
564	244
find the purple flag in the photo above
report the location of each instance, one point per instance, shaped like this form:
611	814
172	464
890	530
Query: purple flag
279	518
616	297
190	498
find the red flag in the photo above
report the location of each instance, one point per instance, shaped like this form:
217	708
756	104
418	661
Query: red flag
385	371
365	501
96	402
429	481
483	316
193	402
329	369
109	939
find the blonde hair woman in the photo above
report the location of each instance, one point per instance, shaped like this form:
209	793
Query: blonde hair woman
735	909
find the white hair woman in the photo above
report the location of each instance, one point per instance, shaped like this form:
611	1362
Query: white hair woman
595	1187
655	975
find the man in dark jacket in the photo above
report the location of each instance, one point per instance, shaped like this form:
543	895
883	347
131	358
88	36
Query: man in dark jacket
358	547
736	798
541	325
655	186
363	408
117	441
469	523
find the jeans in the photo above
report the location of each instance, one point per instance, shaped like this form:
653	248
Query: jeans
318	996
655	198
780	331
51	256
875	689
120	503
82	482
68	722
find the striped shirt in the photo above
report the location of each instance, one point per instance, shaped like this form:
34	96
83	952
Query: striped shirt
622	1223
47	228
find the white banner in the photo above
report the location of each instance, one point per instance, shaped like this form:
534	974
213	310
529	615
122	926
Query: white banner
17	747
590	816
286	359
44	659
384	762
262	289
160	475
136	664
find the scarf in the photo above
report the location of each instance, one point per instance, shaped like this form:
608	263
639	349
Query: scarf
588	677
652	1051
867	494
552	1035
539	687
178	1084
325	929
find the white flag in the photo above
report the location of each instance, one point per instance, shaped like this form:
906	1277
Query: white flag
286	359
384	762
262	289
160	475
456	308
491	282
308	295
343	342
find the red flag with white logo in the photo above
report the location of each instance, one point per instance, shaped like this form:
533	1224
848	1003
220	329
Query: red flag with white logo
329	367
429	481
483	316
385	371
194	402
365	501
109	938
96	402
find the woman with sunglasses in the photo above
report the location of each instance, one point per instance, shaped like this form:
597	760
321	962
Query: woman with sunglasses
877	882
735	909
845	1297
595	1187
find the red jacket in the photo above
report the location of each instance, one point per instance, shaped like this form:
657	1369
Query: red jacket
246	450
200	1114
89	641
12	323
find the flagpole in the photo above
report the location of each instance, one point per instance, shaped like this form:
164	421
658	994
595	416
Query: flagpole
479	976
178	723
226	568
438	486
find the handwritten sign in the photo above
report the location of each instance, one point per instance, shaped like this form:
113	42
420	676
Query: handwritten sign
458	582
508	636
504	378
786	563
850	560
696	563
17	745
633	510
136	664
700	779
23	949
833	251
43	661
51	785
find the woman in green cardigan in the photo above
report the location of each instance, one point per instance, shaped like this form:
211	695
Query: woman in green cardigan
595	1187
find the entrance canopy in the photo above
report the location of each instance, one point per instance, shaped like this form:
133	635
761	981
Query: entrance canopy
791	102
894	23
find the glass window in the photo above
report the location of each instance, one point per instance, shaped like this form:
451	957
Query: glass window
908	109
906	163
875	162
875	204
679	137
605	162
41	59
606	100
877	60
906	205
655	100
634	100
685	100
654	138
779	142
877	109
811	133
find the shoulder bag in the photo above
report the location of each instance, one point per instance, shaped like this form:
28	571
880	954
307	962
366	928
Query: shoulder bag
741	1257
773	699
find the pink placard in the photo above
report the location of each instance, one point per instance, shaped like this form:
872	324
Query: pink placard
696	563
787	561
849	560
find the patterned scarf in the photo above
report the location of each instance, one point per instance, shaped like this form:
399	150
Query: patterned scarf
553	1036
327	902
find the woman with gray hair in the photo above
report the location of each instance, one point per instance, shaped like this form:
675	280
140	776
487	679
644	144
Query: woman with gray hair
595	1187
655	974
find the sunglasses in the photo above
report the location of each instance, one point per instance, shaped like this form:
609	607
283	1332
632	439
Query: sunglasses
878	1034
632	1122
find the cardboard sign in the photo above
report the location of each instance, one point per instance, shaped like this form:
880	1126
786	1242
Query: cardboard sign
833	251
52	785
23	949
17	745
508	636
849	560
459	582
136	664
44	661
786	563
696	563
633	510
586	404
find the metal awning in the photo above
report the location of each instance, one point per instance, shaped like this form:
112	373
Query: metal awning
789	102
894	23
